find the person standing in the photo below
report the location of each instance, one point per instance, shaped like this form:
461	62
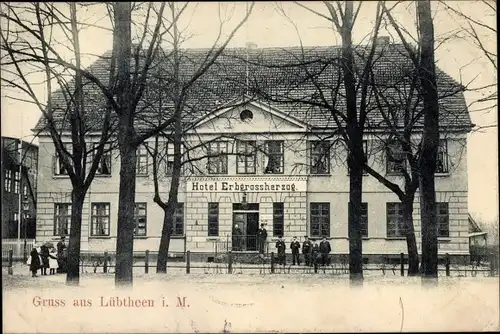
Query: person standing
261	238
295	247
60	256
306	250
53	265
281	246
34	262
315	256
237	238
45	259
325	249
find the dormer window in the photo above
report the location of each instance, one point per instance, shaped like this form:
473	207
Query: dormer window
246	115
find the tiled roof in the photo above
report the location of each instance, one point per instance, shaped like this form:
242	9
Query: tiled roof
273	76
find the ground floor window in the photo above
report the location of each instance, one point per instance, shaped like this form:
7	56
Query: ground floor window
140	216
320	219
178	228
443	219
213	219
364	220
100	219
395	221
62	218
278	219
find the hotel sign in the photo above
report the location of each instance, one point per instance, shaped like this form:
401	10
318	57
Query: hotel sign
247	186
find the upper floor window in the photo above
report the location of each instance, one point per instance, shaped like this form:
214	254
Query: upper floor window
274	161
396	159
443	219
59	167
245	161
217	158
442	157
140	217
8	180
104	167
169	158
320	157
142	160
62	218
17	181
100	219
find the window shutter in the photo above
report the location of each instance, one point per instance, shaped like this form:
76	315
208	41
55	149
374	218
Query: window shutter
54	164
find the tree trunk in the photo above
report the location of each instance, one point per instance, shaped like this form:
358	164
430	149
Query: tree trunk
354	222
126	205
73	260
411	241
168	219
430	141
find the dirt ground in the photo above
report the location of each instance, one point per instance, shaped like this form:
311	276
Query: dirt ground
247	302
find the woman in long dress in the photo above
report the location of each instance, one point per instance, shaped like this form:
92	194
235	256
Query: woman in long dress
34	262
53	261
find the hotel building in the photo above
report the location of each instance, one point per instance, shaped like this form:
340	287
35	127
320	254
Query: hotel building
254	161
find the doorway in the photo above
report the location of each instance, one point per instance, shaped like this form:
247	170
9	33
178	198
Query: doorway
245	227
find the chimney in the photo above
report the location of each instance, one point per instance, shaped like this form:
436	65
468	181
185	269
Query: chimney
383	41
251	46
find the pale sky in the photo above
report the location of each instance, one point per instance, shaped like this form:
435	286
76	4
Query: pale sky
267	27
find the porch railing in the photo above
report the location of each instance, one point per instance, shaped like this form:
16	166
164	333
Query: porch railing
17	247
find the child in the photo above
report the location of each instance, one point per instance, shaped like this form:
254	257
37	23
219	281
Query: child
34	262
53	261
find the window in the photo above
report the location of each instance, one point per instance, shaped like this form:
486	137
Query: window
320	219
395	220
104	167
274	158
320	157
169	159
8	180
364	220
17	181
396	160
178	228
245	161
100	219
142	160
62	218
217	158
442	157
140	217
59	167
278	219
443	220
25	190
213	219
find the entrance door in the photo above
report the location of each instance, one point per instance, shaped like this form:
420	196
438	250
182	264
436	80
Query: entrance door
245	227
252	228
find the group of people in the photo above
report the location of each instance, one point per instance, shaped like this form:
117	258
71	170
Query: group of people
47	257
314	253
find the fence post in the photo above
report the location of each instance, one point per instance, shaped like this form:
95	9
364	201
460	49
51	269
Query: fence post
188	262
146	262
229	262
272	262
105	265
11	254
402	262
447	264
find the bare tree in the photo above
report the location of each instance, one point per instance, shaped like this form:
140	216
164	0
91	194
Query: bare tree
29	48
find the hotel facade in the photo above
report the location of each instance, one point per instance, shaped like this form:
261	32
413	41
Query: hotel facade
255	162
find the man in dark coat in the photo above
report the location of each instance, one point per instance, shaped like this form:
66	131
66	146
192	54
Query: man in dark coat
306	250
281	246
61	256
325	249
237	238
45	258
315	256
261	238
35	262
295	247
